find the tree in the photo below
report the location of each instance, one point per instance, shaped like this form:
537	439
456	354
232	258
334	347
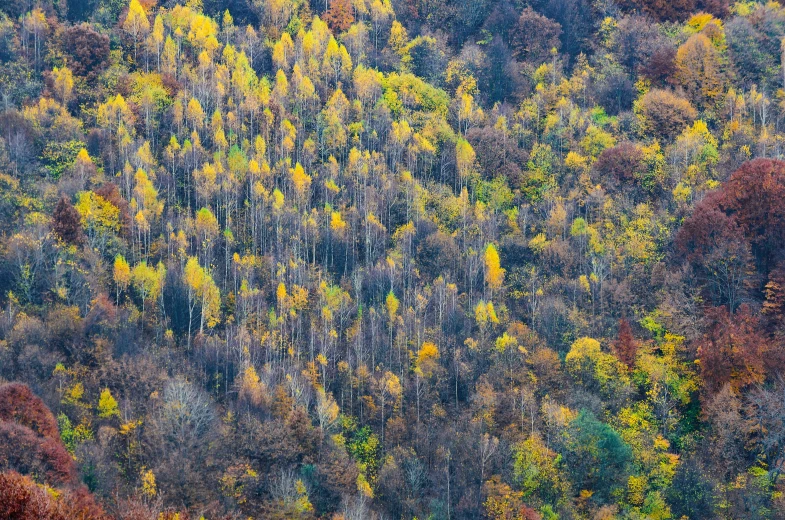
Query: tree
107	405
35	24
388	386
136	23
340	16
665	114
596	369
88	48
755	197
533	37
698	71
716	246
66	222
664	10
63	83
148	281
596	457
494	274
202	291
121	274
734	350
537	470
626	346
624	162
20	405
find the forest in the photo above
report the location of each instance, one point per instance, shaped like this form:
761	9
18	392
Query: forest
392	259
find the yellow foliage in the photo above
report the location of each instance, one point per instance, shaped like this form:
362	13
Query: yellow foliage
149	488
494	274
391	303
107	405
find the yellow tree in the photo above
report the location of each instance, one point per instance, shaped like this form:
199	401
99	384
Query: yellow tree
148	281
136	23
337	60
301	182
63	83
427	364
494	273
155	41
107	405
122	275
195	114
203	291
389	388
698	71
34	23
464	160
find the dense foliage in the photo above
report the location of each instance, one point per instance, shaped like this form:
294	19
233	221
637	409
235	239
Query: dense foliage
392	259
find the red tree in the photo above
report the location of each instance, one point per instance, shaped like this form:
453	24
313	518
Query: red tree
734	350
88	48
24	451
755	197
22	499
718	250
625	345
18	404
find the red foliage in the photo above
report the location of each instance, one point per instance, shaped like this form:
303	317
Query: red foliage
735	351
19	404
24	451
744	220
755	197
707	227
625	345
22	499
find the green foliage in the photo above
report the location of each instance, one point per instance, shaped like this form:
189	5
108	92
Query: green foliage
597	457
409	229
57	156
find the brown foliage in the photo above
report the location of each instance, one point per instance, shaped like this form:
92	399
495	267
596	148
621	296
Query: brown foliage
88	48
665	114
534	36
746	217
716	247
660	10
66	222
735	351
497	154
340	15
18	404
624	161
660	66
755	197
